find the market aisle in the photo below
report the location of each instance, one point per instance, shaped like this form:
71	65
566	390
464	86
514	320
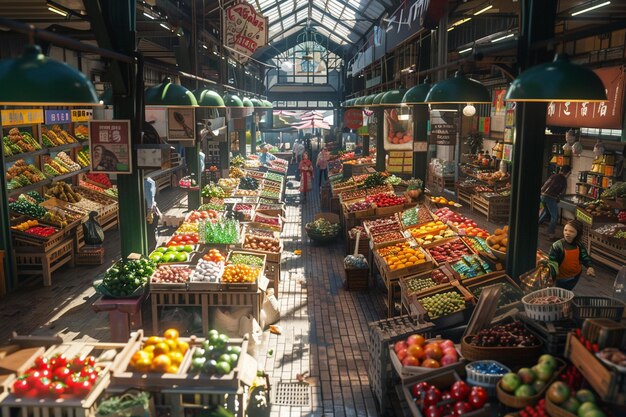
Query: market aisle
324	326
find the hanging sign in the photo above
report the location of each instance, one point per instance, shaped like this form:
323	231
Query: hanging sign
498	110
245	30
353	119
410	18
109	146
82	115
443	127
57	116
21	117
604	115
181	124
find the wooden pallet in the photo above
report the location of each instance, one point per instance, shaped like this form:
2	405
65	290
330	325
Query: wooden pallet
45	263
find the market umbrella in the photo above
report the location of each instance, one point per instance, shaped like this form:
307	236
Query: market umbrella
312	124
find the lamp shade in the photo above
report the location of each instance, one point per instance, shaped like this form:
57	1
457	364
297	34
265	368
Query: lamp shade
231	100
107	97
267	104
349	103
256	103
417	94
559	80
392	98
208	98
359	102
34	79
247	102
169	94
377	99
369	100
458	90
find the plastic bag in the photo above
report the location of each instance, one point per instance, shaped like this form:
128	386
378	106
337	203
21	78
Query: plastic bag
94	235
537	279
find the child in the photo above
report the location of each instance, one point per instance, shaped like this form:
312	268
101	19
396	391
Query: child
567	255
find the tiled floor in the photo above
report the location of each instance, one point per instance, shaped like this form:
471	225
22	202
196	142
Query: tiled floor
324	327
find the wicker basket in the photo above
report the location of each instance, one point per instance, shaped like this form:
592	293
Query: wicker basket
548	312
510	356
554	410
520	402
597	308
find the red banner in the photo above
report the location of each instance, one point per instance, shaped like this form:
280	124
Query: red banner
353	119
604	115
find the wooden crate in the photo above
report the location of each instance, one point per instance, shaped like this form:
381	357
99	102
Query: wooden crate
606	251
272	272
26	242
495	208
464	195
89	256
45	263
178	298
609	384
408	297
357	279
252	300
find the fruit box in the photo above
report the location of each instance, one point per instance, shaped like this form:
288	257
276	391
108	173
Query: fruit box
407	371
608	383
514	401
408	296
389	274
449	320
510	356
442	379
169	285
270	256
453	240
498	277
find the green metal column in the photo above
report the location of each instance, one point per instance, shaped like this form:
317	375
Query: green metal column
253	133
114	24
193	163
537	24
242	137
420	134
5	237
366	145
380	139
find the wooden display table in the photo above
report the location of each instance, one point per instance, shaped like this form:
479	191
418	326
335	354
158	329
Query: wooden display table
124	315
440	182
46	262
495	208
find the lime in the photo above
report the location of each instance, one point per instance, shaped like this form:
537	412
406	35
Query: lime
156	257
162	249
223	368
188	248
181	257
233	359
168	257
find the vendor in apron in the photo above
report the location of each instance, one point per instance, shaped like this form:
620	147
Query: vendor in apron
567	257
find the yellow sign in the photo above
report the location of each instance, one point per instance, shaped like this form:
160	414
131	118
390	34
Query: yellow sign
21	117
583	217
82	115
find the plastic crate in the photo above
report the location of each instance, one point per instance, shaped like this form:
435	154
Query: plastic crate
597	308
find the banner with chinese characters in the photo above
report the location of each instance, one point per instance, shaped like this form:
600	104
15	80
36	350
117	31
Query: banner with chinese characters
245	30
604	115
109	144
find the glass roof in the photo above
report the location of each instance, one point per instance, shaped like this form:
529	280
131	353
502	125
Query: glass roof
342	21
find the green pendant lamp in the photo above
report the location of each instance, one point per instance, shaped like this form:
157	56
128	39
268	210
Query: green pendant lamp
417	94
209	98
377	99
559	80
169	94
458	90
257	103
107	97
267	104
33	79
393	98
247	102
232	100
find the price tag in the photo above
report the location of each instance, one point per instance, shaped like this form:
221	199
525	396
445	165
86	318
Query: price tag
21	117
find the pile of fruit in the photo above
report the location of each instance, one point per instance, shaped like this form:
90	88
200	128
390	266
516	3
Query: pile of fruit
56	136
385	200
477	244
401	255
100	179
208	271
528	382
435	277
238	161
21	174
248	183
472	230
505	335
215	357
213	190
197	215
384	228
499	240
597	208
27	208
493	176
160	354
22	227
60	165
268	220
261	243
353	195
278	167
613	230
382	221
457	400
539	410
228	184
245	259
61	217
442	201
57	377
246	193
19	142
374	180
430	228
450	217
450	252
415	216
81	132
235	172
387	237
416	351
126	278
63	191
270	193
471	266
188	227
358	206
171	254
240	273
183	239
379	189
83	158
171	274
617	190
443	304
508	293
581	403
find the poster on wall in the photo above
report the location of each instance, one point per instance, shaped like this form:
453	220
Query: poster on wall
180	125
507	152
157	117
245	30
398	133
109	146
353	119
443	127
604	115
498	110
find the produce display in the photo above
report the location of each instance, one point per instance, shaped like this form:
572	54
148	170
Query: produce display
183	239
25	225
421	283
278	167
126	278
238	161
443	201
81	132
20	175
240	273
166	274
215	357
208	271
416	351
197	215
245	193
28	209
358	206
401	255
273	176
443	304
245	259
457	399
55	136
216	204
61	217
385	200
477	244
83	158
508	293
19	142
60	165
267	220
616	231
228	184
57	377
225	231
63	191
617	190
87	205
353	195
597	208
451	217
212	190
450	251
437	228
248	183
415	216
527	382
621	216
246	209
323	228
393	180
387	237
469	228
171	254
471	266
189	227
160	354
379	189
214	255
505	335
385	228
374	180
112	192
582	403
262	243
493	176
538	410
270	193
499	240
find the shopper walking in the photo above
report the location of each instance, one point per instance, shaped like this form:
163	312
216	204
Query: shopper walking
298	150
306	175
322	165
551	192
567	256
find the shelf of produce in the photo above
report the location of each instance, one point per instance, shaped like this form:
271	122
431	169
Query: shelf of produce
45	263
64	147
29	187
25	155
70	174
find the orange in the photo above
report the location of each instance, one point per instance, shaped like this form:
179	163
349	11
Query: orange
393	267
149	349
176	357
183	346
173	344
161	349
171	334
161	363
172	369
413	258
153	340
400	266
142	365
408	264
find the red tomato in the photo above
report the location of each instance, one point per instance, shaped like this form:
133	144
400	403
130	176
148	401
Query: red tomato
58	361
77	364
462	407
82	388
42	386
57	389
459	390
41	362
20	387
478	397
61	373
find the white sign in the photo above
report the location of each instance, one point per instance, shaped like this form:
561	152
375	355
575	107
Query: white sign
245	30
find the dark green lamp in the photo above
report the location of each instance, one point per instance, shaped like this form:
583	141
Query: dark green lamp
267	104
33	79
377	99
107	97
559	80
169	94
247	102
257	103
417	94
209	98
458	90
369	100
231	100
393	98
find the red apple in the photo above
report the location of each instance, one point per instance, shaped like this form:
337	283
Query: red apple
410	361
400	345
401	354
448	360
444	344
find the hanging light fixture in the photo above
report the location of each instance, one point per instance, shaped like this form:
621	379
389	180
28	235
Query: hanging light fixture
309	38
469	110
232	100
393	98
417	94
458	90
36	80
208	98
169	94
557	81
